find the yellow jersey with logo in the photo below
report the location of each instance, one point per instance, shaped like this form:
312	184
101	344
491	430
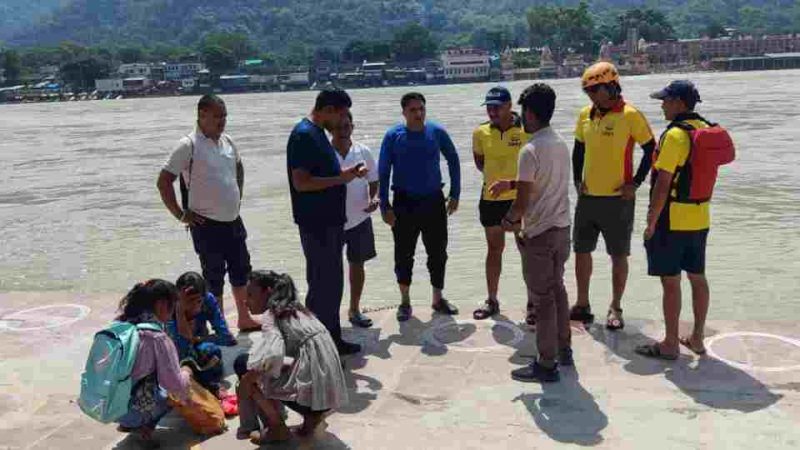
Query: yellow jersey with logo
500	151
673	150
609	140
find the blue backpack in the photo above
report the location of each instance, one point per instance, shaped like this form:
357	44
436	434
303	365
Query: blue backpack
106	381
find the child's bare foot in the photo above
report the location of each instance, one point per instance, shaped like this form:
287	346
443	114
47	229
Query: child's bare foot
248	324
310	424
278	434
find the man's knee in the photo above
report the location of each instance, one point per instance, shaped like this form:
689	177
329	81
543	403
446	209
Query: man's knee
671	283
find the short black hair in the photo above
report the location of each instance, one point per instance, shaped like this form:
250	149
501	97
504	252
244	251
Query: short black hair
332	96
407	98
193	280
209	100
540	99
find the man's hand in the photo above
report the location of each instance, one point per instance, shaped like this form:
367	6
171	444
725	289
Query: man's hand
373	205
351	173
511	226
499	187
628	191
389	217
452	206
649	231
191	218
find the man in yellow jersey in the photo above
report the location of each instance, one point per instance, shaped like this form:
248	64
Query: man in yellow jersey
495	147
602	163
676	232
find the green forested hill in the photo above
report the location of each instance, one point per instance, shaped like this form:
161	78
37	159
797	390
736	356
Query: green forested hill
282	26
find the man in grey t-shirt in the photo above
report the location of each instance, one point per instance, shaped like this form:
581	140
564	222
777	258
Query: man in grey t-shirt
541	221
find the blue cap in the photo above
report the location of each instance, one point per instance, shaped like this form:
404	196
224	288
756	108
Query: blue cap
682	89
497	96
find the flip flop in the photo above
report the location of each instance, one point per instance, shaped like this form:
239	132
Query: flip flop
687	343
360	320
615	322
488	309
654	351
581	314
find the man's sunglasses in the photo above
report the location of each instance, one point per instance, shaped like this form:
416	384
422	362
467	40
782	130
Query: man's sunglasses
594	88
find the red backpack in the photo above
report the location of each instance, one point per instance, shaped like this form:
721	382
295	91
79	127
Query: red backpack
710	148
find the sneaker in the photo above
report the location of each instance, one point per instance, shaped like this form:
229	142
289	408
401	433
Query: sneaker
565	357
403	313
535	372
347	348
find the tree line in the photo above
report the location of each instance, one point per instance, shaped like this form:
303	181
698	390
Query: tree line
580	28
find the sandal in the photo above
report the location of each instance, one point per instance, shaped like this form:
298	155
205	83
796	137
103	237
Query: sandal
581	314
654	351
403	312
530	320
488	309
686	342
444	307
360	320
614	320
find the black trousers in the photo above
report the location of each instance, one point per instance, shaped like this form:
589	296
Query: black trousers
323	248
417	215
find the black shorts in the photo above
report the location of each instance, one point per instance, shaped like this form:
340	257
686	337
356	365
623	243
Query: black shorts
360	242
611	216
492	212
222	247
670	252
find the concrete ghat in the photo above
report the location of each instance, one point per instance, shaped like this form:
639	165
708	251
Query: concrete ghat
455	393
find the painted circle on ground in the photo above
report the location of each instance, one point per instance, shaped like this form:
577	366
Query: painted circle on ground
752	334
429	336
43	317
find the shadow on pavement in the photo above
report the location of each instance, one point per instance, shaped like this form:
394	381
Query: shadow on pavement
708	381
567	412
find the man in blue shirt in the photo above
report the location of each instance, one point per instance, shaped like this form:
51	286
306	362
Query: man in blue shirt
317	187
410	156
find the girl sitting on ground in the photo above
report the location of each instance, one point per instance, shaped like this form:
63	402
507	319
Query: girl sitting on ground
188	328
295	363
156	372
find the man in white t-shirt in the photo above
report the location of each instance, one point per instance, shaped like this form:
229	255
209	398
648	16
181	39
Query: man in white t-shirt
212	179
359	238
540	218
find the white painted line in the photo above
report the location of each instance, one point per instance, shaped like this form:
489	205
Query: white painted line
34	319
750	367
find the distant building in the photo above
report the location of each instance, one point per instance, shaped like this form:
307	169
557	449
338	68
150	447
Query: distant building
182	71
109	85
134	70
465	63
686	51
136	84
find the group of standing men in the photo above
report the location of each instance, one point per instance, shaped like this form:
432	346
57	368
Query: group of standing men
335	184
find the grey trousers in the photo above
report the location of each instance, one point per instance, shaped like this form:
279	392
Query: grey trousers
543	260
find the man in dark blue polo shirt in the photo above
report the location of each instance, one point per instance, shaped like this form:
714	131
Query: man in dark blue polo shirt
410	156
318	191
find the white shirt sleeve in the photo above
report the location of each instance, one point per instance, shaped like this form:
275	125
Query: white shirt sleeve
527	164
179	160
235	149
372	166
